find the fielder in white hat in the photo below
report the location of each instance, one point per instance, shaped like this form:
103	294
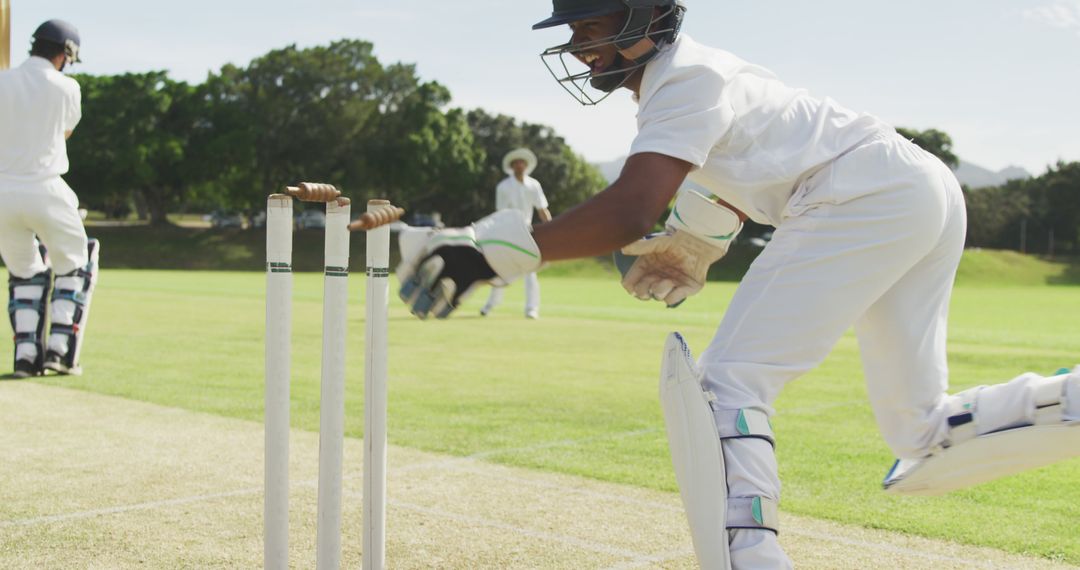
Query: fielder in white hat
523	193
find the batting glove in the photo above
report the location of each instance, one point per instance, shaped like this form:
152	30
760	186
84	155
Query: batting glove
440	268
671	265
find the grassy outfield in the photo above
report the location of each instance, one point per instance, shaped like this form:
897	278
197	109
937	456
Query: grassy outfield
575	392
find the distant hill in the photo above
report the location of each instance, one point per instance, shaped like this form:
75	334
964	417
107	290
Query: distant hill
975	176
969	174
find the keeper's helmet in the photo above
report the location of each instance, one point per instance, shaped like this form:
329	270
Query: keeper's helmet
642	35
62	33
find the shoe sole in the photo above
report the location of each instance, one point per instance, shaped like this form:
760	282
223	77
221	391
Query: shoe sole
64	370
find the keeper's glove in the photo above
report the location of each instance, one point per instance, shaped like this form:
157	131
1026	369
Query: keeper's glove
671	265
440	268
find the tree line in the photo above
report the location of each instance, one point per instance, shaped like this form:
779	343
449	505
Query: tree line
1034	215
337	114
334	113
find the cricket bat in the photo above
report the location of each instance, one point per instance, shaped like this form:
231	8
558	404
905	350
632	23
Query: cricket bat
5	34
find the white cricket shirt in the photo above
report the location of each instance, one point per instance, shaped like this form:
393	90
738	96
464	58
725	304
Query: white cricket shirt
751	139
37	105
521	196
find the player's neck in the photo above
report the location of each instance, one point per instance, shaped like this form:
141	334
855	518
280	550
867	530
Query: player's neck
520	177
633	83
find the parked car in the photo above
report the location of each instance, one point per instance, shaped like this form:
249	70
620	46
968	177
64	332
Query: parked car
258	219
311	219
421	220
226	219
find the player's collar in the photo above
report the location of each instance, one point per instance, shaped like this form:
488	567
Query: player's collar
38	62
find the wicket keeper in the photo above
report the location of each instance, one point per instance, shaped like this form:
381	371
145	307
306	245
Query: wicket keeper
869	232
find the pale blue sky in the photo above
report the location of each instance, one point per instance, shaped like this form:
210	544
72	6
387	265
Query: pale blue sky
1001	76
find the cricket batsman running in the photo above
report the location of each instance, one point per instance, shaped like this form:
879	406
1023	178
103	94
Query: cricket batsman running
869	232
39	108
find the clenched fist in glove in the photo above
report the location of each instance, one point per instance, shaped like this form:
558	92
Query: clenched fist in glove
439	268
671	265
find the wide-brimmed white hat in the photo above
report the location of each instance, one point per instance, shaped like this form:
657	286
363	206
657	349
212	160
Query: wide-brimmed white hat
520	154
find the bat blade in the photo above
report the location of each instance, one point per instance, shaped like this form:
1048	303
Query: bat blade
5	34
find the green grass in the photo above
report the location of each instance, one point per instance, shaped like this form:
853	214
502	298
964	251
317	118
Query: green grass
575	392
998	267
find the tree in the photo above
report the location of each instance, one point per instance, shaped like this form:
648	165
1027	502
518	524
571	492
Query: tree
1056	195
329	113
933	141
568	179
132	141
1039	215
92	150
289	116
427	158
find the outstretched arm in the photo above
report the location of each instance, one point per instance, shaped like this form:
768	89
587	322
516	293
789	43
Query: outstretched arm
625	211
440	268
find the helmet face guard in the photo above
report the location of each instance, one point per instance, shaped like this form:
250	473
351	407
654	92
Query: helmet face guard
71	50
640	39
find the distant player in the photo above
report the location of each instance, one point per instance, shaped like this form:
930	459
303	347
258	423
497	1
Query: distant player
39	108
869	232
521	193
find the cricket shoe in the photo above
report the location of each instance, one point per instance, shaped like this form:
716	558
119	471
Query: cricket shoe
25	369
55	361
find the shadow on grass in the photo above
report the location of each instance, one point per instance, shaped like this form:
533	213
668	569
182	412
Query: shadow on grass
1070	275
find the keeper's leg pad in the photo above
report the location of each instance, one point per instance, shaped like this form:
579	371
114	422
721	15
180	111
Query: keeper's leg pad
695	433
995	431
28	305
71	309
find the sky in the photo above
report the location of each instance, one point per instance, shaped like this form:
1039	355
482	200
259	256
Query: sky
1001	77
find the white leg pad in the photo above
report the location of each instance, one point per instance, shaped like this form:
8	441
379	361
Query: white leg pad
696	454
71	308
27	307
995	431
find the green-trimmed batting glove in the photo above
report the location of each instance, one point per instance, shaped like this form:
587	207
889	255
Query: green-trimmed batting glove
440	268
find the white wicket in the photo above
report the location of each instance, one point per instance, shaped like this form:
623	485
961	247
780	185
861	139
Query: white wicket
332	401
332	398
279	223
375	349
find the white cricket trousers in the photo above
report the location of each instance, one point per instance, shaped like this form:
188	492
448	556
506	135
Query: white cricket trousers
49	210
532	295
871	240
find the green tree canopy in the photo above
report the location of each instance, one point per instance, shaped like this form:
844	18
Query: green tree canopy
933	141
132	142
1038	215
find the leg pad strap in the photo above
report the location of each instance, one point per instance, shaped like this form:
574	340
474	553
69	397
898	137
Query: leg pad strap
753	512
29	295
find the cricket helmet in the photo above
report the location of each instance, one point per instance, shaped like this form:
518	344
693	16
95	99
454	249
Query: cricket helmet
62	33
642	36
